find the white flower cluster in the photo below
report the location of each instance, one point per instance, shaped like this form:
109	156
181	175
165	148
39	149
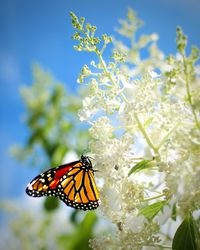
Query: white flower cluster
138	116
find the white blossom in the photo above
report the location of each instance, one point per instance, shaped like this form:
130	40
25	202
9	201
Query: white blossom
141	115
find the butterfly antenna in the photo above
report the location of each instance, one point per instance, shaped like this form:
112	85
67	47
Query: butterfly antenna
91	157
84	154
96	170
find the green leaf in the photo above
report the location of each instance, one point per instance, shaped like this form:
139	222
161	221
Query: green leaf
74	216
152	210
173	215
51	204
148	122
58	154
187	236
144	164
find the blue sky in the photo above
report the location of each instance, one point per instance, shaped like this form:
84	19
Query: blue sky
40	31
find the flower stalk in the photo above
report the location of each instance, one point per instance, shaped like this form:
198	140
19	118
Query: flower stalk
146	136
189	96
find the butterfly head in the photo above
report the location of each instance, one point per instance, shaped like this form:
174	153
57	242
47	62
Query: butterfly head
85	160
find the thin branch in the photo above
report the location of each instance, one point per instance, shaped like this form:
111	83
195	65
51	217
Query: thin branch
148	139
187	82
158	245
167	136
154	197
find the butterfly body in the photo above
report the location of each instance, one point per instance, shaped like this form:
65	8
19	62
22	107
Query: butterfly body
73	183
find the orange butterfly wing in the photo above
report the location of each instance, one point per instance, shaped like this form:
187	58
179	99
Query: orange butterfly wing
79	189
73	183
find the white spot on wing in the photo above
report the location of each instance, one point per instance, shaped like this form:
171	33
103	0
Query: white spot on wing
30	187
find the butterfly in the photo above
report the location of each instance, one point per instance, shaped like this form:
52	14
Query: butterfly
73	183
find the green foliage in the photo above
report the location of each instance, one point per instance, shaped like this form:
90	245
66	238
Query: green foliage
52	120
54	130
152	210
174	212
51	204
181	40
86	35
142	165
187	236
84	232
44	230
184	70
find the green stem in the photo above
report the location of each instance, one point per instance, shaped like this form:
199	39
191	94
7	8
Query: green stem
158	245
166	136
143	131
103	48
154	197
187	81
109	75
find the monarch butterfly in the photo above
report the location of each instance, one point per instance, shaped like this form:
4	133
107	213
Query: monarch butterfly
73	183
